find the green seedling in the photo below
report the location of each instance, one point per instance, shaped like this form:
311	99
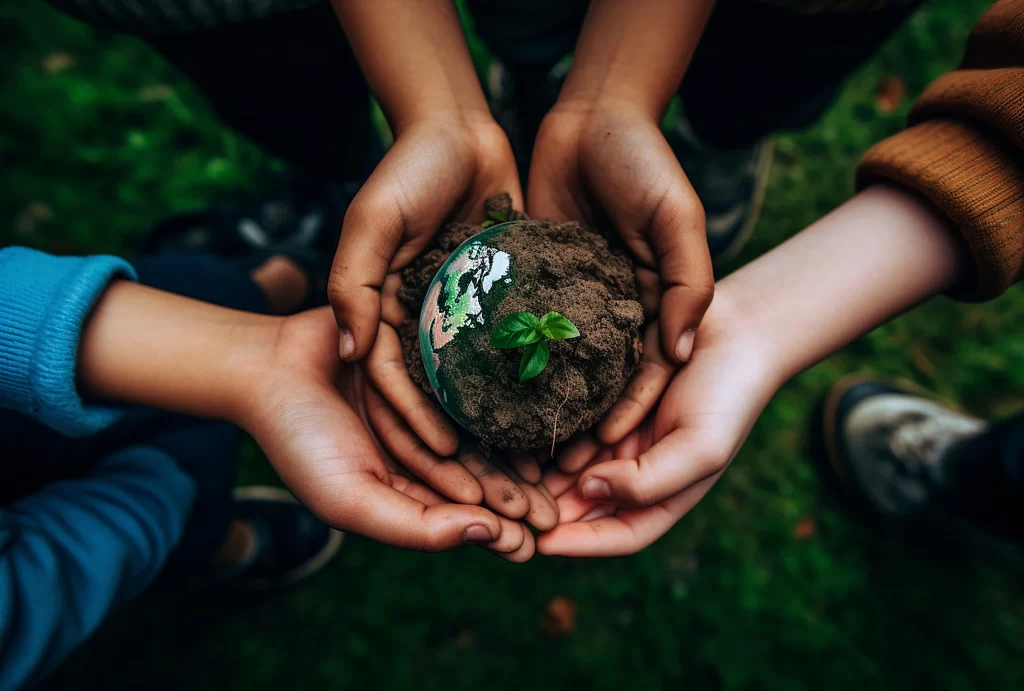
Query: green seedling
525	330
495	217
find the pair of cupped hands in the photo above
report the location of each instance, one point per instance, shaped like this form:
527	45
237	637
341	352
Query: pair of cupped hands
363	447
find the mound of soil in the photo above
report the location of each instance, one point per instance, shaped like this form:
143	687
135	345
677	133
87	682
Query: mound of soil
559	267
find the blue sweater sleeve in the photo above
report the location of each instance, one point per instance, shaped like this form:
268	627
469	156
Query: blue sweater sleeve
78	549
44	300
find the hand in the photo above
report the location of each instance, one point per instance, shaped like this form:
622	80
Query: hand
301	411
596	162
439	169
420	437
616	500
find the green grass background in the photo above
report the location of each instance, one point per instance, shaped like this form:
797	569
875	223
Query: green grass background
731	598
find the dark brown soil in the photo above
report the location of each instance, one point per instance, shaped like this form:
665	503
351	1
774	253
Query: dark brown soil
559	267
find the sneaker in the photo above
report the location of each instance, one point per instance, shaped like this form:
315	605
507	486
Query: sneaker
729	182
885	443
291	543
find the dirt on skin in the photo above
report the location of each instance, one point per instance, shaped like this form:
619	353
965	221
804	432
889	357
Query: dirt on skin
559	267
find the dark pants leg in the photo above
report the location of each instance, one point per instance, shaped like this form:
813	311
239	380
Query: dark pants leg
291	84
758	68
984	479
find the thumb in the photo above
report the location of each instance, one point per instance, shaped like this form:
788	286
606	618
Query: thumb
678	241
370	237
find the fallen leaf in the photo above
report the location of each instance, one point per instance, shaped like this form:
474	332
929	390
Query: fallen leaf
921	360
57	62
890	94
30	217
155	92
804	529
559	617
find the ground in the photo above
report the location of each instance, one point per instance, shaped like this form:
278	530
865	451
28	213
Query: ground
768	584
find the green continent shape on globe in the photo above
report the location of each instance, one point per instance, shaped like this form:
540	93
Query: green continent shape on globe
458	299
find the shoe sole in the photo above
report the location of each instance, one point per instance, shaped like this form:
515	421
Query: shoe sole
764	165
317	562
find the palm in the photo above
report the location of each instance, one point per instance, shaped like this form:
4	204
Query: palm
312	425
665	467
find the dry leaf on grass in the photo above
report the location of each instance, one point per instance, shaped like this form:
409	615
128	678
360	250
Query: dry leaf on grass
559	616
57	62
890	94
804	529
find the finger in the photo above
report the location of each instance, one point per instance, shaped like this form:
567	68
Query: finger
579	451
364	505
572	506
680	246
543	513
528	467
648	285
386	369
447	476
557	483
392	310
525	551
681	459
501	493
642	392
512	537
627	532
513	533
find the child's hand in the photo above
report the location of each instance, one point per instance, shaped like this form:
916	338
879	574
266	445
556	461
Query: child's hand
439	169
618	499
420	437
596	162
300	410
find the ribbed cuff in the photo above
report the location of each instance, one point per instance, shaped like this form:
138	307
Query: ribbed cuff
974	177
44	301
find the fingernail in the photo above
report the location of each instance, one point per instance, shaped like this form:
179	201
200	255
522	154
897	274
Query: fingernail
684	348
596	488
346	344
478	533
602	511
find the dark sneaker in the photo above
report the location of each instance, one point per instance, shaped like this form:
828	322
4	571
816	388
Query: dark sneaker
729	182
291	543
884	445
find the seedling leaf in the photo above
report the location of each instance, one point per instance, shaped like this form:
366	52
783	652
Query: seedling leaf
516	330
557	327
535	359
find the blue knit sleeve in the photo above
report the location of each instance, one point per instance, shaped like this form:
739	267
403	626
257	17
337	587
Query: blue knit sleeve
44	300
78	549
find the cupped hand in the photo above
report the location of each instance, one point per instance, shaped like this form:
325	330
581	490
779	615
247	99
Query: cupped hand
438	170
305	411
617	499
609	163
420	437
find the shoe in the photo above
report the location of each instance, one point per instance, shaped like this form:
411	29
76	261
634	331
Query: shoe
729	182
884	443
291	543
299	219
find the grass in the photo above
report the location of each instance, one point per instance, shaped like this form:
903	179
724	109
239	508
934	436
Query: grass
768	584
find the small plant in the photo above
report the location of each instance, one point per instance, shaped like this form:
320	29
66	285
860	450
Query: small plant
525	330
494	218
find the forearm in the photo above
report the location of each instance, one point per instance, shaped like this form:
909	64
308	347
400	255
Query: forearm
147	347
635	52
874	257
414	57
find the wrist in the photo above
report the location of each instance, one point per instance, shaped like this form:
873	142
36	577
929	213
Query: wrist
876	256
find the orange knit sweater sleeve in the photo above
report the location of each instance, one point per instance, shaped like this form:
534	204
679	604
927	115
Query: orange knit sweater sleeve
964	150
